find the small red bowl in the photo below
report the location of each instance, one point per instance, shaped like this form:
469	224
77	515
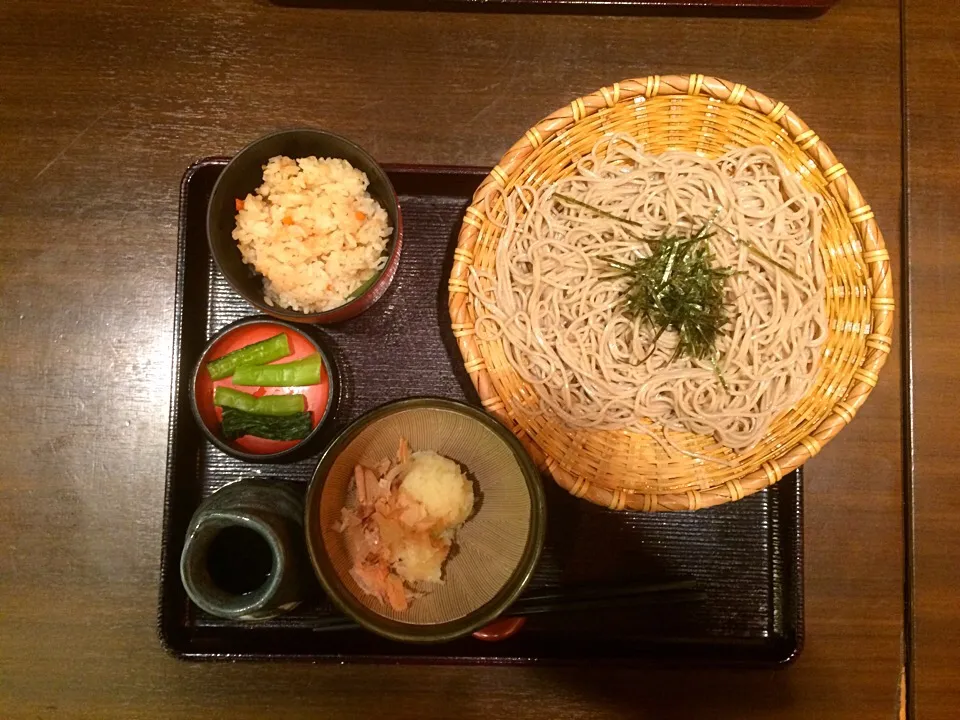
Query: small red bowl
500	629
244	173
321	399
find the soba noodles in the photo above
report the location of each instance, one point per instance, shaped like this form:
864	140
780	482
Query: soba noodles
557	305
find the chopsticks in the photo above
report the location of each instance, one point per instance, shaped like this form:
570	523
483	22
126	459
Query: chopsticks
574	599
603	597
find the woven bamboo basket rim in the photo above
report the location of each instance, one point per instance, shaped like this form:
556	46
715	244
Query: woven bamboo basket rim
689	112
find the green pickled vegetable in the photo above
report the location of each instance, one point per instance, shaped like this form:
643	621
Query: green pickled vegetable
256	354
305	371
266	405
237	423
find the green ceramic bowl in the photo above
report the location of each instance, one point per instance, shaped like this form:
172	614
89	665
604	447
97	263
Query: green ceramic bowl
496	549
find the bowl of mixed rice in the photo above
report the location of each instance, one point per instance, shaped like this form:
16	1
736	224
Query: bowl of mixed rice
306	226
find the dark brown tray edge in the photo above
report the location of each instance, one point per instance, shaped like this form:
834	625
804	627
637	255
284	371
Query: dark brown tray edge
792	653
769	9
779	659
166	641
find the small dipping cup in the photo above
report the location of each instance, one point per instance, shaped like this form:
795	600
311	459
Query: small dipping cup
241	558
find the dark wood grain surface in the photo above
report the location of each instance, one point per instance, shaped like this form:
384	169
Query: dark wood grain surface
933	213
767	8
104	103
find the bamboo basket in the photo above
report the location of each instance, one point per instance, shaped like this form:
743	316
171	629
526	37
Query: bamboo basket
629	470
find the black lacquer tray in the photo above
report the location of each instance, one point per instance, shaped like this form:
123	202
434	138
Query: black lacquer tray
746	556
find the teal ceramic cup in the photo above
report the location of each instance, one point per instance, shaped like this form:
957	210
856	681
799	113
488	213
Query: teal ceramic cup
242	557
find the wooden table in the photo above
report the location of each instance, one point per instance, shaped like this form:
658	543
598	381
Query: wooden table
104	103
932	35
